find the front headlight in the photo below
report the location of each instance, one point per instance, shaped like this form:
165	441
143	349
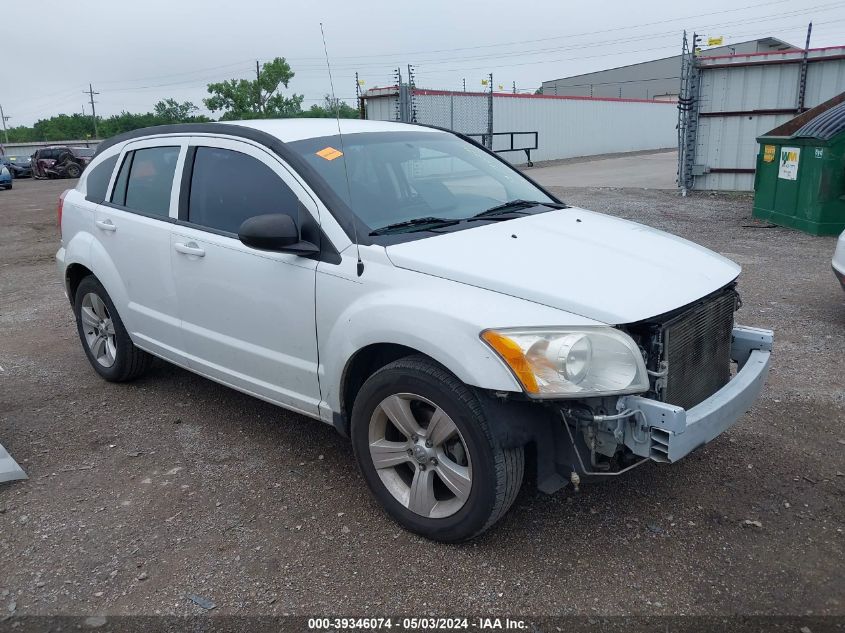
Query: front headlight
571	362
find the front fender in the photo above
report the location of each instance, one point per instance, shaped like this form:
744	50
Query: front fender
437	317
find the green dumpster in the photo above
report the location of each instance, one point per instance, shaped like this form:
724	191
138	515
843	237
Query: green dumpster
800	179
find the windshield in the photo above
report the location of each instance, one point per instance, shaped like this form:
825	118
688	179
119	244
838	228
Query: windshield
400	176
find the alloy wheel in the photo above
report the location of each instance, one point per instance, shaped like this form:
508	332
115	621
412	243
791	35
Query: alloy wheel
98	327
420	455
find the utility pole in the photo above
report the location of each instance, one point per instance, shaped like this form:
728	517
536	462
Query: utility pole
490	114
358	95
257	86
412	100
90	92
802	78
4	118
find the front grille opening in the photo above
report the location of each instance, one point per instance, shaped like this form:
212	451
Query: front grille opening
688	350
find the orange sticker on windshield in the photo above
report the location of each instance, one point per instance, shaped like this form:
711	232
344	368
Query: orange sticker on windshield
329	153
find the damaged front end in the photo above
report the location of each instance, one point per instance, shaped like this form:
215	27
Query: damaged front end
704	374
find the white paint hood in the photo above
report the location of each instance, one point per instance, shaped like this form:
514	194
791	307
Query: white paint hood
591	264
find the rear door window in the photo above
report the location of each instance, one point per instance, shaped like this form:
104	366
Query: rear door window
146	179
228	187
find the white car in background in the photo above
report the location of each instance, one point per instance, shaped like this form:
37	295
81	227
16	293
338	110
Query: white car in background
414	290
839	260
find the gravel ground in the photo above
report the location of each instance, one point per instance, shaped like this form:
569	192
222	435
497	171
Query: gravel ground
144	493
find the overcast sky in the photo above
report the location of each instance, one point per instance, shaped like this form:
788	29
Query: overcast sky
135	53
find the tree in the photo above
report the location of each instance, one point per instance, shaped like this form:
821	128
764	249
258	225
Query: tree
170	111
329	107
539	91
258	98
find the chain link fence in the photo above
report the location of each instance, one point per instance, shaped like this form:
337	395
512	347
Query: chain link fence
467	113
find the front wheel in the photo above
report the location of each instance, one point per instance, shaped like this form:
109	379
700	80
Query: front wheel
427	452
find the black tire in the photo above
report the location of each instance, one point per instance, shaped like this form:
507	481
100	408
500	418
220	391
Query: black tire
73	171
129	361
496	472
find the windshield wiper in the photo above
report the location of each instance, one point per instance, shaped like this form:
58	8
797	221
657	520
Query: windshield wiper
513	206
417	224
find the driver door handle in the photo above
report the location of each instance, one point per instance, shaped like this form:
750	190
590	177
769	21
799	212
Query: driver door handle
105	225
190	248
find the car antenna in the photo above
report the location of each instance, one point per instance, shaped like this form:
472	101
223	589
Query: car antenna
342	152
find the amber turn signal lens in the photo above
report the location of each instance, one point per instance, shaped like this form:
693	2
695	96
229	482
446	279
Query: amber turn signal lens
513	356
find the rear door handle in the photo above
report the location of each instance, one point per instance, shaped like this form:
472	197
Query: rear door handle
190	248
105	225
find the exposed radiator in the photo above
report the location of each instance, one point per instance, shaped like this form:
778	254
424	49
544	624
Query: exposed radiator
697	348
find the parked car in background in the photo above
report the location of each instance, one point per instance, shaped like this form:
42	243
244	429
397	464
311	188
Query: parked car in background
61	161
5	177
417	292
839	260
18	166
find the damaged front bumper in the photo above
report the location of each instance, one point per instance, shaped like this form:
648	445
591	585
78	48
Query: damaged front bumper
571	440
666	433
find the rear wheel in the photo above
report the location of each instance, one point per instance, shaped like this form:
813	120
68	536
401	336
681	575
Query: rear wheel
427	452
73	171
104	338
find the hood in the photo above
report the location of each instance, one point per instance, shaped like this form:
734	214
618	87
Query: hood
587	263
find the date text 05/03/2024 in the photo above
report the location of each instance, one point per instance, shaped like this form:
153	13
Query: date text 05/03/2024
418	624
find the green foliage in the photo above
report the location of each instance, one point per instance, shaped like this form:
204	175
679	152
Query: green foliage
235	98
71	127
170	111
327	110
256	98
57	128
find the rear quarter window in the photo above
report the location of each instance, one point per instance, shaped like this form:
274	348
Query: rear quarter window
97	181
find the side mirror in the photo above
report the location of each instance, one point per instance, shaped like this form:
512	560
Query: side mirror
274	232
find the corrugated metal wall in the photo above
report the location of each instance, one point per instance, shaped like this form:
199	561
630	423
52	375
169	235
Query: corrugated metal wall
567	127
26	149
586	127
736	94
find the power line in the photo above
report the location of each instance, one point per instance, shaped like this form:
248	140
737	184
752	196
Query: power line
564	59
614	41
556	37
179	74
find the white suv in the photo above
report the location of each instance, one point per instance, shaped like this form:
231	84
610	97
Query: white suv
415	291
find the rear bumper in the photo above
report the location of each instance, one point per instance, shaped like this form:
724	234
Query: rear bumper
666	433
60	269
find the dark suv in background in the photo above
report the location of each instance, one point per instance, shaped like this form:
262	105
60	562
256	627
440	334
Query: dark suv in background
60	161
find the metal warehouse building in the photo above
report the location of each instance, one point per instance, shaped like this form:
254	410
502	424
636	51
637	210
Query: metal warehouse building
736	98
657	79
553	127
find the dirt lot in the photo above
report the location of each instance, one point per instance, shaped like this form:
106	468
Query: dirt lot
143	493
